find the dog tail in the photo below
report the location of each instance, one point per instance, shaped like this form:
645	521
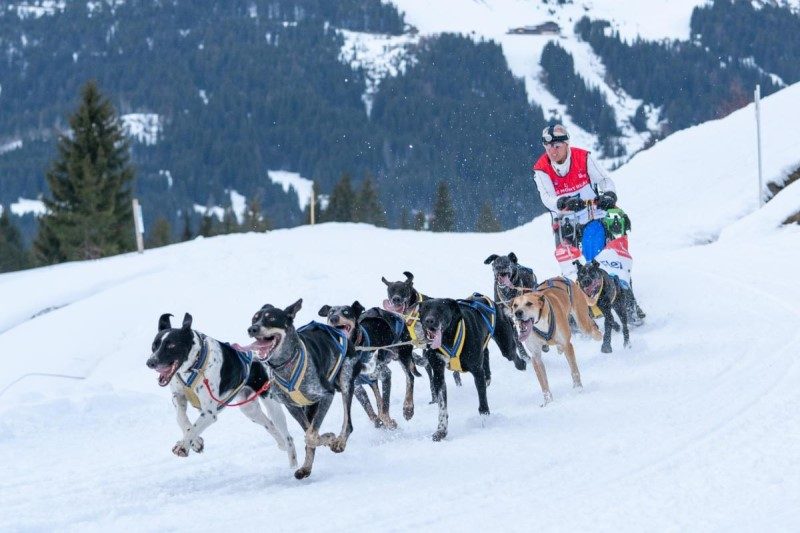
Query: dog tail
580	311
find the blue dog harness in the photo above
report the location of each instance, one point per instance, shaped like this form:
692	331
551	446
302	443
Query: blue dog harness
291	386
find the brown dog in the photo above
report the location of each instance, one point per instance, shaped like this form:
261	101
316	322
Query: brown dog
542	317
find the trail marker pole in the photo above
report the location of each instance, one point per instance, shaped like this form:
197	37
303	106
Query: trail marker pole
138	224
757	99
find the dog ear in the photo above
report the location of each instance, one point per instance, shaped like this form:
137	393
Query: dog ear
324	310
409	277
489	259
595	263
385	282
187	321
577	264
164	322
513	257
357	308
294	308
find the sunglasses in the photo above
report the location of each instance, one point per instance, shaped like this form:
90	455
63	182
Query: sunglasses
554	144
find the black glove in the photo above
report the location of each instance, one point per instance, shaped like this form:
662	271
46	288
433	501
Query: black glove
607	200
561	203
575	204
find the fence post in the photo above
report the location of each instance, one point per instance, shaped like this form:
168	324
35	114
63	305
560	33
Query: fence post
138	225
757	99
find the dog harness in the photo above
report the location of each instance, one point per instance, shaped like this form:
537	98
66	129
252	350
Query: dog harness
292	385
198	369
551	284
551	327
412	318
486	310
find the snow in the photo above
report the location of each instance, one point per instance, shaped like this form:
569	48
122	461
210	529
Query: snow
693	428
24	206
238	204
142	127
210	210
303	187
10	146
379	55
37	8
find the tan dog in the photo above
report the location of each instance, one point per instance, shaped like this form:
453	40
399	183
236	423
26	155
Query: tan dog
542	317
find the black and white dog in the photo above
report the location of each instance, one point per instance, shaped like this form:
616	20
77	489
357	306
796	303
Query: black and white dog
370	329
510	280
211	374
607	293
458	332
306	367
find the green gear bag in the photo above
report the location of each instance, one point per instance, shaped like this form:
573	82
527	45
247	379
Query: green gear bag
616	222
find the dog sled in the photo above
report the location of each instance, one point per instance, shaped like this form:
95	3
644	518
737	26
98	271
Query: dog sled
603	240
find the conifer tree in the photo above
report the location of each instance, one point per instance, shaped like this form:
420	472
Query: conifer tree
161	234
487	222
89	213
444	215
229	222
368	206
342	202
186	233
208	225
254	220
419	221
13	255
404	222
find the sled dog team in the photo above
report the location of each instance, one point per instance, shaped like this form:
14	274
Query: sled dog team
303	367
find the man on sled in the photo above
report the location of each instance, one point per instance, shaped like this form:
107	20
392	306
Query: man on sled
582	199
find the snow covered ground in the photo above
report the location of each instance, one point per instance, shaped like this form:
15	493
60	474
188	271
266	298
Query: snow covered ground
693	428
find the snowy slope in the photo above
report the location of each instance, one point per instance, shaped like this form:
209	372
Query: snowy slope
690	429
491	19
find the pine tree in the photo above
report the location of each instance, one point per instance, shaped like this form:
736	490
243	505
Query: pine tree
187	234
208	225
229	222
419	221
254	220
342	202
487	222
368	206
161	234
444	216
13	255
404	222
89	213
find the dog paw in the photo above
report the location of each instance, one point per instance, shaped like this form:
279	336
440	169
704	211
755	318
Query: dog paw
302	473
520	364
484	412
338	445
408	411
180	449
577	385
389	423
627	344
545	347
198	445
439	435
548	397
606	348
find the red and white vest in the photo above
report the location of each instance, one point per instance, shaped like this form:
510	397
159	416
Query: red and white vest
576	178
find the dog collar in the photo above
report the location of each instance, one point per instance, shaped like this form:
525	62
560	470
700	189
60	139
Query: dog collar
291	386
197	369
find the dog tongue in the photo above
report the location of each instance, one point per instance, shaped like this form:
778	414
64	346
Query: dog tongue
524	329
165	374
504	280
436	341
391	307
